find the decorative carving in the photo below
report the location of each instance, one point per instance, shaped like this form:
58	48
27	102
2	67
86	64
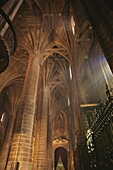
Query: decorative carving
60	127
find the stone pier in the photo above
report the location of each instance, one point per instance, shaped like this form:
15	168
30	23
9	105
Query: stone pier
22	147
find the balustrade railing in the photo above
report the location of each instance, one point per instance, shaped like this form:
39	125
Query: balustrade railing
97	141
103	114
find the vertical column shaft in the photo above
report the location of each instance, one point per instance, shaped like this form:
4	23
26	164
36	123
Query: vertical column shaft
6	147
21	153
36	146
37	126
49	142
42	148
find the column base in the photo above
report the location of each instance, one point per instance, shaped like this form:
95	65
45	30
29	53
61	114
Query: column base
21	153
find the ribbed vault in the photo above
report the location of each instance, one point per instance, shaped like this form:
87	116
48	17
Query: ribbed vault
56	78
57	69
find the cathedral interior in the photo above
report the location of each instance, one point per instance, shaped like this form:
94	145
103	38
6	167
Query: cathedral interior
56	85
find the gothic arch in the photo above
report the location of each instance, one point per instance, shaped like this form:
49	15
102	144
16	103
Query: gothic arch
61	152
56	47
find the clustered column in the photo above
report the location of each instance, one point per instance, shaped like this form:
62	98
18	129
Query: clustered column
42	147
49	146
21	153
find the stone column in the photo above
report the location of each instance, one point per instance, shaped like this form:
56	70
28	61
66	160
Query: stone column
37	127
21	153
42	147
6	147
49	143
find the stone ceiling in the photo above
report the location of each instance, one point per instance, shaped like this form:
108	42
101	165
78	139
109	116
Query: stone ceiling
48	29
43	28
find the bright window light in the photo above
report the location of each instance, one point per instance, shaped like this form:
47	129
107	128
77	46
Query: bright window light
2	117
68	102
70	72
73	25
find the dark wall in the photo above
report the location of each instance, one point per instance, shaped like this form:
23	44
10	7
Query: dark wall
2	2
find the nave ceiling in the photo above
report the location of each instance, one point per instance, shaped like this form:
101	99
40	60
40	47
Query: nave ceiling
48	30
44	29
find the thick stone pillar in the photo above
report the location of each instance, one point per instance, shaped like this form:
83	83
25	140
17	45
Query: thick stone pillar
6	147
49	144
37	126
36	145
22	147
42	147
